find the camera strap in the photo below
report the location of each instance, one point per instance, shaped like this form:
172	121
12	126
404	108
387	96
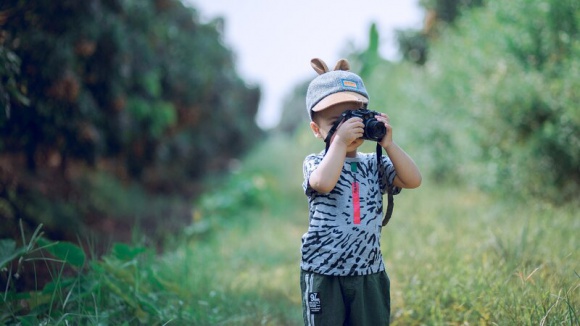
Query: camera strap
379	151
331	132
390	199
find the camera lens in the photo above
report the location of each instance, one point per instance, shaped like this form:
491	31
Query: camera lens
375	130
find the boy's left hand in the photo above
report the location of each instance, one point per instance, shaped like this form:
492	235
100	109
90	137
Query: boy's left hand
388	139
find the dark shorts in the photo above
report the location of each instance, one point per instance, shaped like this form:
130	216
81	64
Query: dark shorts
345	300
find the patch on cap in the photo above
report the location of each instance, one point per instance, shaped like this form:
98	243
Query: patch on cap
349	83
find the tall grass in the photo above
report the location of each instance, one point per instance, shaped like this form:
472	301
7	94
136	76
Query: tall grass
455	255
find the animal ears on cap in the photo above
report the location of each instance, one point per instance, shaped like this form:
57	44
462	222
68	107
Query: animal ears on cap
321	68
342	64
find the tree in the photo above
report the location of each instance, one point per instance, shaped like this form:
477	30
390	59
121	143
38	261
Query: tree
141	90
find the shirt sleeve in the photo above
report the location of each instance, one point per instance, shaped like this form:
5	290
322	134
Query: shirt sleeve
310	164
387	175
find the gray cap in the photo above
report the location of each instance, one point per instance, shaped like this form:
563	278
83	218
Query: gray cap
334	87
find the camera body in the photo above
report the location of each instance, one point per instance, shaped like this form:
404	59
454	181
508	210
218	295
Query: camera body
373	129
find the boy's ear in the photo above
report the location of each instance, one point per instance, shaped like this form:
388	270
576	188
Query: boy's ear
315	129
319	66
342	64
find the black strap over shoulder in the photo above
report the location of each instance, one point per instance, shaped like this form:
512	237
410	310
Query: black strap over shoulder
390	199
390	206
331	133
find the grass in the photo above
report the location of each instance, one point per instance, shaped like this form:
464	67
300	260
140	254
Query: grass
455	256
462	257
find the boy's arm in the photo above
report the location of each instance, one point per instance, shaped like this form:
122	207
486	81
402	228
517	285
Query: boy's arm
326	175
408	175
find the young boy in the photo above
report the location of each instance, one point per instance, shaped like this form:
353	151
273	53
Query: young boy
343	278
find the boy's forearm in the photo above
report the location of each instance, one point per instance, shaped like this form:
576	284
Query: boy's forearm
326	175
408	175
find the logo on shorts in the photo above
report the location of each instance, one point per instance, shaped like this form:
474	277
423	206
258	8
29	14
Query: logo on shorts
314	303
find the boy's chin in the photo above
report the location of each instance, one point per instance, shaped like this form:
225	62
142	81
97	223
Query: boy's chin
355	144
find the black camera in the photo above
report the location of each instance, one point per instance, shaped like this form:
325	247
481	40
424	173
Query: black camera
374	130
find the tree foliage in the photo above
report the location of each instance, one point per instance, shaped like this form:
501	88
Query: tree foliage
142	90
414	44
509	75
496	102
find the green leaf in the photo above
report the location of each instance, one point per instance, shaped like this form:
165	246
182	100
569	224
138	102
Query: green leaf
151	82
124	252
57	284
8	251
66	251
7	247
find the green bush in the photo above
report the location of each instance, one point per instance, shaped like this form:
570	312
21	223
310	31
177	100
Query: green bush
139	90
503	85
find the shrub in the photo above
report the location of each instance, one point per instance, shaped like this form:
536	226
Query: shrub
506	77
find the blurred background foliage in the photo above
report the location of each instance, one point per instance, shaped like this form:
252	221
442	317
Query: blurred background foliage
492	90
116	111
502	85
113	103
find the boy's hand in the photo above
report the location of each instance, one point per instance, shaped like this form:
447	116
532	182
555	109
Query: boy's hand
349	131
408	175
388	139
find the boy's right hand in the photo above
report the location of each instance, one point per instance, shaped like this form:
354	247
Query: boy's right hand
346	138
349	131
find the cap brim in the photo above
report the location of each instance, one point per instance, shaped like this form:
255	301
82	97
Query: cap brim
340	97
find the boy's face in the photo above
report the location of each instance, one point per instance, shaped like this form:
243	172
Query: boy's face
325	119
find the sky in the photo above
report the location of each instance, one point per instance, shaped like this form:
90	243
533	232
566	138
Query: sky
274	41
